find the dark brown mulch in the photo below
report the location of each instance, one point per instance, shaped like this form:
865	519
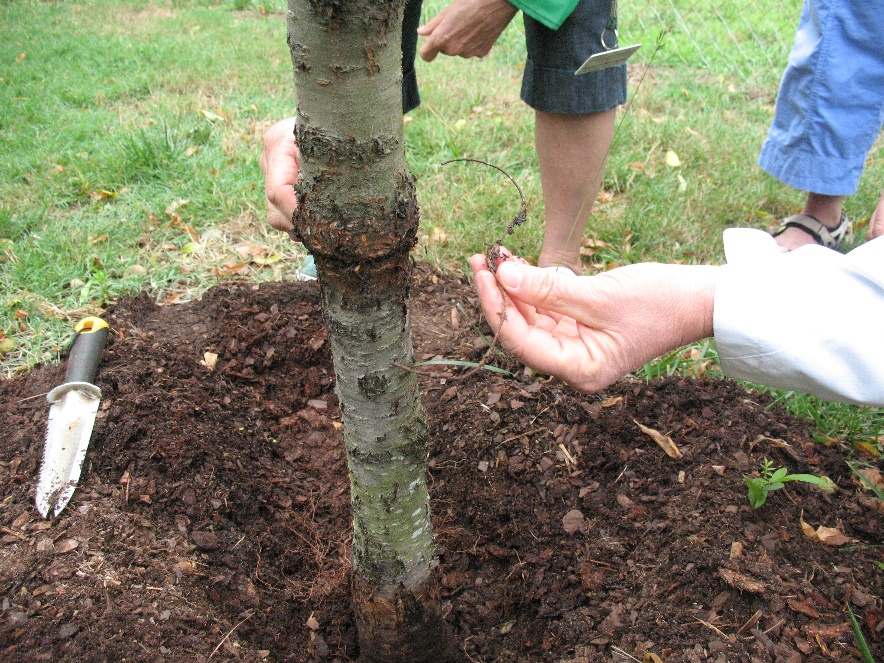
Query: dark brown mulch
212	520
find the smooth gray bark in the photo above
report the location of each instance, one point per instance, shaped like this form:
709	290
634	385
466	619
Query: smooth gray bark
357	214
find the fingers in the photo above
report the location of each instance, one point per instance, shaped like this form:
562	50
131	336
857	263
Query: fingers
465	28
537	340
432	46
280	163
542	289
429	50
490	296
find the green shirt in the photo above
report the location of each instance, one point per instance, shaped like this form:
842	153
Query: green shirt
552	13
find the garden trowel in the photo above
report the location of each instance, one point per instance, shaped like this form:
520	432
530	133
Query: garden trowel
73	406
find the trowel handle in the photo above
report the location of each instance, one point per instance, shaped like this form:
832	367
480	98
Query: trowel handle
86	350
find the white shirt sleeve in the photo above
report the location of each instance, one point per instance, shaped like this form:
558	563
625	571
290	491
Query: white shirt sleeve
810	320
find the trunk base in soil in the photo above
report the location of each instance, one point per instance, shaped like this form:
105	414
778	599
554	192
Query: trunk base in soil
406	627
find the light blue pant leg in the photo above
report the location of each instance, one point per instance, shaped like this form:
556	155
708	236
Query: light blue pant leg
830	106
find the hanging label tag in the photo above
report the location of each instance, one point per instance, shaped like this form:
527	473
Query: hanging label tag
607	59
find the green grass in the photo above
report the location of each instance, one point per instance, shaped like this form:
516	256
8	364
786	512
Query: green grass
130	134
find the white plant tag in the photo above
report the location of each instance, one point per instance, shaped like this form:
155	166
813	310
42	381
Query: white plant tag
607	59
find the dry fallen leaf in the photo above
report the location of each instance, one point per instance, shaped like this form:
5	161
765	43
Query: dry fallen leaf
231	268
572	521
209	360
868	449
873	476
268	259
6	344
774	442
592	243
664	441
830	536
174	206
455	318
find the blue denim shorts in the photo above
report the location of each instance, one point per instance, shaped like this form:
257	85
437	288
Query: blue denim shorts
549	83
830	106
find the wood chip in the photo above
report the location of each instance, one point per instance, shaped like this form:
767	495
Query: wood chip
802	606
66	546
751	623
742	582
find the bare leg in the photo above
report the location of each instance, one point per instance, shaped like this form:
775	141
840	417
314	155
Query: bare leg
876	224
571	151
826	209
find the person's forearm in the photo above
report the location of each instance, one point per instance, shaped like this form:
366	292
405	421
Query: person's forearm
696	309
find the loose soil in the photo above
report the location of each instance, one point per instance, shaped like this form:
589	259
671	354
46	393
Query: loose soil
212	517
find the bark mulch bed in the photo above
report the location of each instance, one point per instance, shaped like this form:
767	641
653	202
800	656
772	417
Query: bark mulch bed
212	518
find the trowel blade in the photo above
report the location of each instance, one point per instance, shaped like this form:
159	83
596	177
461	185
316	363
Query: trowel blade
71	418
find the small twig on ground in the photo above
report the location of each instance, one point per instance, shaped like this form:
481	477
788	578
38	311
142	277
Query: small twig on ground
458	378
475	369
713	627
18	535
492	256
230	632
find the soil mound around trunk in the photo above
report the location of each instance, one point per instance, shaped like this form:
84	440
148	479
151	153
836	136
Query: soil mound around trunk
212	520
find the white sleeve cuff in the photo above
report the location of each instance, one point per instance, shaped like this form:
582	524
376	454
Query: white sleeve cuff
809	320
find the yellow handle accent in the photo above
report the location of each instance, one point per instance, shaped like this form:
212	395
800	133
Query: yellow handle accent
89	325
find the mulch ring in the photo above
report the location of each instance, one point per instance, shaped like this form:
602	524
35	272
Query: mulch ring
212	518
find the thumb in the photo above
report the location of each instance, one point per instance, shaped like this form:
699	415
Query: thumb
428	50
541	288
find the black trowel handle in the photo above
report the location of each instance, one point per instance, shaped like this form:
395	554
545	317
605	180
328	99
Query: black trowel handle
86	350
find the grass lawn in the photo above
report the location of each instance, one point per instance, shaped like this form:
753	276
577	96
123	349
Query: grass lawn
130	133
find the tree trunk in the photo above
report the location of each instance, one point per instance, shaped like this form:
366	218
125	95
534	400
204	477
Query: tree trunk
357	214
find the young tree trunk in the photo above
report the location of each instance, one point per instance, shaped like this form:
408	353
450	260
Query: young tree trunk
357	214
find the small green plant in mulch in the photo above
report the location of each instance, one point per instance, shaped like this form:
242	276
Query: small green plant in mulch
860	638
774	479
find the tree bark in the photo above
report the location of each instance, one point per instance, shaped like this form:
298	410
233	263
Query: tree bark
357	214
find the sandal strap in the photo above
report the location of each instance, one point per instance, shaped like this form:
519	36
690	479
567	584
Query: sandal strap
828	237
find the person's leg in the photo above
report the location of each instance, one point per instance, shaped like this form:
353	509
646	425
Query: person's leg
829	108
571	151
574	123
876	222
